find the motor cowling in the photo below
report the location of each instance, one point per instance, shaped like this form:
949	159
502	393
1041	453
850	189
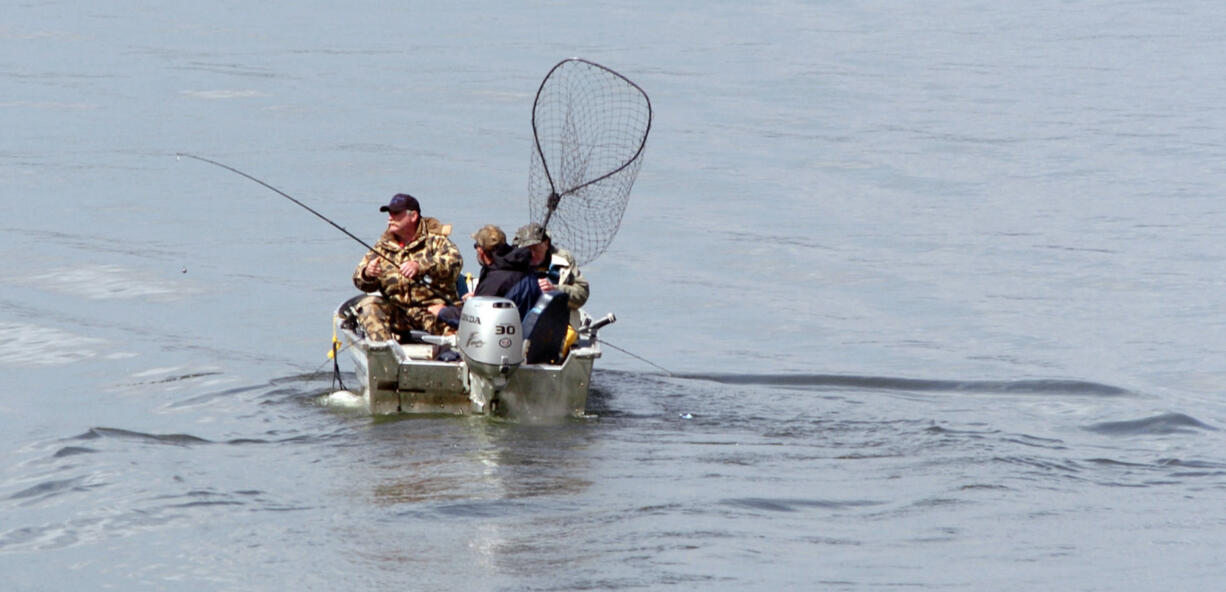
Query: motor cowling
490	337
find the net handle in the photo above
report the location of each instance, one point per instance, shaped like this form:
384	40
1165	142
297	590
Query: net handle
554	197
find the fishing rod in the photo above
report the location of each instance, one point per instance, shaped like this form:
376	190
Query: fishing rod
291	198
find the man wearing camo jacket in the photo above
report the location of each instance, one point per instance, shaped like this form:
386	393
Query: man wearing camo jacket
413	269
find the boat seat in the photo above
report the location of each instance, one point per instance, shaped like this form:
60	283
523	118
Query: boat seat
419	351
545	328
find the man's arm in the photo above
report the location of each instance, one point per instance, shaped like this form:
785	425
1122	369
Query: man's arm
572	282
362	280
576	287
446	262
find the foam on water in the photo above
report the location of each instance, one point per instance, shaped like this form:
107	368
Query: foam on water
344	400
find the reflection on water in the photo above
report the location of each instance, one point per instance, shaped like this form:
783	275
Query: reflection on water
33	345
438	460
110	282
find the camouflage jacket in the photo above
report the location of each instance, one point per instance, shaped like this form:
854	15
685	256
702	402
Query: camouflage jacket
439	261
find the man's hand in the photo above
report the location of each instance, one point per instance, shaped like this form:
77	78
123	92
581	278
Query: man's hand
546	285
373	269
409	269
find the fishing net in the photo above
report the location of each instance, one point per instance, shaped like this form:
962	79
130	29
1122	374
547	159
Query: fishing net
590	125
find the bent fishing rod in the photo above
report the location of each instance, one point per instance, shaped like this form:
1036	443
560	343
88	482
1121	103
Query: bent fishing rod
289	197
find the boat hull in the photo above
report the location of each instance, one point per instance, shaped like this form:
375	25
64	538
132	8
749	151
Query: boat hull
398	378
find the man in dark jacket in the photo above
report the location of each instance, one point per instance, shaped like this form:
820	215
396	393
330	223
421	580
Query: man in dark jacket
501	268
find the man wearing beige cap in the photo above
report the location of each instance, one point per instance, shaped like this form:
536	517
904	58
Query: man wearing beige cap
501	268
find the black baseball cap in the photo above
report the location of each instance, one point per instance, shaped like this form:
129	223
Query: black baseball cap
401	202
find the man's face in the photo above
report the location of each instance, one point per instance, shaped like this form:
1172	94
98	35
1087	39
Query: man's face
402	224
539	250
483	257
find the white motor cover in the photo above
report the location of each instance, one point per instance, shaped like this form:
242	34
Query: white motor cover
490	332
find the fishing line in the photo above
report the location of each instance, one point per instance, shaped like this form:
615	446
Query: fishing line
606	342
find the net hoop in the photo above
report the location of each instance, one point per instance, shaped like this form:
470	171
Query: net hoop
589	127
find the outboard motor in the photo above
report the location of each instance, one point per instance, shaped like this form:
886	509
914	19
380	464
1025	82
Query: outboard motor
490	339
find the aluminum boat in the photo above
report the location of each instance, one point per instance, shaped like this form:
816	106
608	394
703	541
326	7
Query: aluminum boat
495	364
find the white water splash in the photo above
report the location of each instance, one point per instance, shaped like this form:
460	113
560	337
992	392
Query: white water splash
344	400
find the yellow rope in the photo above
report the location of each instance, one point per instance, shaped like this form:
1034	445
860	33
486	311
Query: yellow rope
336	343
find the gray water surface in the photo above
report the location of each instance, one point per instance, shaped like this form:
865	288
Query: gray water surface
937	292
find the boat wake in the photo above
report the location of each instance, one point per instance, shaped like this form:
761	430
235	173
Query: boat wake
1034	386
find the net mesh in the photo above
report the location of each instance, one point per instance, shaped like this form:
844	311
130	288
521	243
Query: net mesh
590	124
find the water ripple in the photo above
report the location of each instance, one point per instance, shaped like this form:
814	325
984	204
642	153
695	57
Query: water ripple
72	451
1167	423
181	439
172	439
793	504
51	488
